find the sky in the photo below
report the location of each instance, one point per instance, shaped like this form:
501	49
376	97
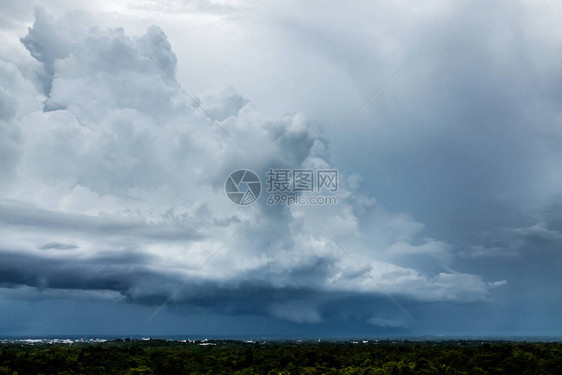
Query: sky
121	122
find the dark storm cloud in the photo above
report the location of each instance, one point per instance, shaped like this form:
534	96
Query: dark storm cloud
58	246
130	275
27	216
466	137
112	272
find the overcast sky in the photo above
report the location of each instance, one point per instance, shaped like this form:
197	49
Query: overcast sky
113	215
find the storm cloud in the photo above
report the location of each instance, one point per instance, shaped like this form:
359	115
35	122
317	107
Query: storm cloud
449	177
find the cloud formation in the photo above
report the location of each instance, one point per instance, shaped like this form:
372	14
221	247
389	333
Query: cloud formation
116	185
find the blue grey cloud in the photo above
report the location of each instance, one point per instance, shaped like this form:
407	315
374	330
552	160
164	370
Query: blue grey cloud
449	176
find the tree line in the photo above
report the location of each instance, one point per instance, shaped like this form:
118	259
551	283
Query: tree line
232	357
